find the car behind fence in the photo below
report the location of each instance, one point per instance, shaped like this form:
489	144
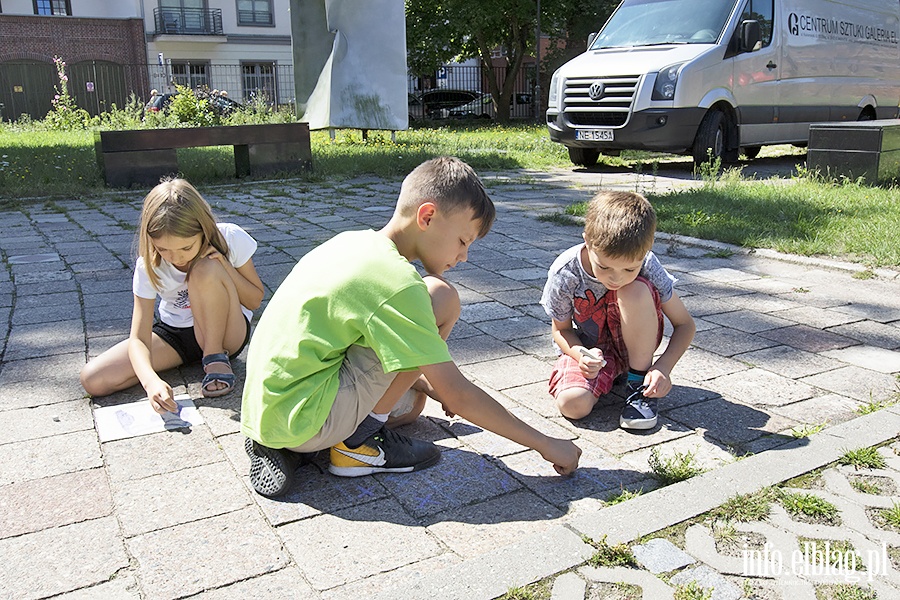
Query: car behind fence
28	87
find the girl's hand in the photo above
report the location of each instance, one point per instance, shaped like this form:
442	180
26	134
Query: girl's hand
161	397
658	384
590	361
213	254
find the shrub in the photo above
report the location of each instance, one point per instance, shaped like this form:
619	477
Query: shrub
65	115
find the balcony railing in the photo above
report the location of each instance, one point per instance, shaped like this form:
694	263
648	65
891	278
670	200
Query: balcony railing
188	21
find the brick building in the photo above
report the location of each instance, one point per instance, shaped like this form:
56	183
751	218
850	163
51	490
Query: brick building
114	49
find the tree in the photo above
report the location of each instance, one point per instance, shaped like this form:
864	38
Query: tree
568	25
438	32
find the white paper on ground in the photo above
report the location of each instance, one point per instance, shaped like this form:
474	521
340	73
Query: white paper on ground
138	418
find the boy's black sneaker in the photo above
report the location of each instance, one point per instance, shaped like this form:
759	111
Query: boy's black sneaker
271	469
639	412
385	451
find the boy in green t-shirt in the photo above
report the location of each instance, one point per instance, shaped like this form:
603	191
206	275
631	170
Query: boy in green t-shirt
354	326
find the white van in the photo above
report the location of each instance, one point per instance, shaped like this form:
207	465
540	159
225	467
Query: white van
719	77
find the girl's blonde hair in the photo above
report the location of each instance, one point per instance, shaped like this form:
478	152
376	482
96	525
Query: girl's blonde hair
176	208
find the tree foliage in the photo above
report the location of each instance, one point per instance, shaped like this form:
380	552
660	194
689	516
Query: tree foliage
440	32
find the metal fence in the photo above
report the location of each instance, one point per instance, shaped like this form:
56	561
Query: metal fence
28	87
472	78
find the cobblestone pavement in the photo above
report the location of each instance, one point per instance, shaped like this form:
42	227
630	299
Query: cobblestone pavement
786	352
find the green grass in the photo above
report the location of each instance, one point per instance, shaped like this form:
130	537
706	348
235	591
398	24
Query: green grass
623	496
675	468
804	431
865	487
892	515
845	591
37	162
746	507
535	591
839	554
812	216
876	405
868	458
812	479
606	555
692	591
808	505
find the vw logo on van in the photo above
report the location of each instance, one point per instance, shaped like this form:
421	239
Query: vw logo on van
596	90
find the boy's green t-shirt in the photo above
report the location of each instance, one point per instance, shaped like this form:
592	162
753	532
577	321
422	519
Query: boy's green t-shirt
354	289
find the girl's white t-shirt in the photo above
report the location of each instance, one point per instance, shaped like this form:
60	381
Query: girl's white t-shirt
174	304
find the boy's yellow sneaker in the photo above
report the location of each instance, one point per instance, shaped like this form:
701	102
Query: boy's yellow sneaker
385	451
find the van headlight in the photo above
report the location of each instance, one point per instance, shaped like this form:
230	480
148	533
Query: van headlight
553	96
666	80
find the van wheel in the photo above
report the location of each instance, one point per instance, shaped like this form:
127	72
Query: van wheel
867	114
584	157
712	138
751	152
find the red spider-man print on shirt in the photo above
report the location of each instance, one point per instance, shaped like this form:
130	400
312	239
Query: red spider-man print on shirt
590	316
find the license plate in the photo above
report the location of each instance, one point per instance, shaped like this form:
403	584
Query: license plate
594	135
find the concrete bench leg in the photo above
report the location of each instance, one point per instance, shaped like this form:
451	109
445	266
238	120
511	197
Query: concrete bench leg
241	160
266	158
145	167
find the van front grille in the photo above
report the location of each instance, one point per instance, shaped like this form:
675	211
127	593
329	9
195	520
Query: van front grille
610	110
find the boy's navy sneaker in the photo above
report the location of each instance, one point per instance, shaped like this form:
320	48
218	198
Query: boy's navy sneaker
271	469
639	412
385	451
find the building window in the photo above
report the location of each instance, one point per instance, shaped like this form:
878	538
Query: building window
52	7
195	4
255	12
259	78
192	75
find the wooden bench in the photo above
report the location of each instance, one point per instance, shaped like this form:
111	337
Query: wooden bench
143	156
856	149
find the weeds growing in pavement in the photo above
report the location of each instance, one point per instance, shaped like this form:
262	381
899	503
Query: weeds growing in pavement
623	496
891	515
675	468
865	487
808	505
863	458
746	507
692	591
606	555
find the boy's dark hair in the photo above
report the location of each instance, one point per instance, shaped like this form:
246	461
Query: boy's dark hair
620	224
452	185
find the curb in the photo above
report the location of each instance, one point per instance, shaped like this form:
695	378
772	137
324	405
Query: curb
561	549
828	263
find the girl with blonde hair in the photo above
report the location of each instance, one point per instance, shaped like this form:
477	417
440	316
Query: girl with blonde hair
203	274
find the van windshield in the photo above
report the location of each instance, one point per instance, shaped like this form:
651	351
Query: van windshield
656	22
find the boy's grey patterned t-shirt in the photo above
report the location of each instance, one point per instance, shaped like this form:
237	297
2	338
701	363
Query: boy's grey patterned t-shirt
568	280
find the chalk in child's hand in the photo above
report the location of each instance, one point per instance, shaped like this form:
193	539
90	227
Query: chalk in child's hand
584	351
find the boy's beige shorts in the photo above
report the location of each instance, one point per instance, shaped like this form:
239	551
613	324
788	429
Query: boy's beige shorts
362	384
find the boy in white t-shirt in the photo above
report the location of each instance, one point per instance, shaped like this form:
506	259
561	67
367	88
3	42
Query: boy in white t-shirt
607	298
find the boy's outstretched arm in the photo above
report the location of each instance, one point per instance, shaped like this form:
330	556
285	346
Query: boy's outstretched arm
462	397
683	329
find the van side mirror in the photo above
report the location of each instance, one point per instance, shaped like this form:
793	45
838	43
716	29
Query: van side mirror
591	38
750	35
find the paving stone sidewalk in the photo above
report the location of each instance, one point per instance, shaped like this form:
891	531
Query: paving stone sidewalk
786	351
